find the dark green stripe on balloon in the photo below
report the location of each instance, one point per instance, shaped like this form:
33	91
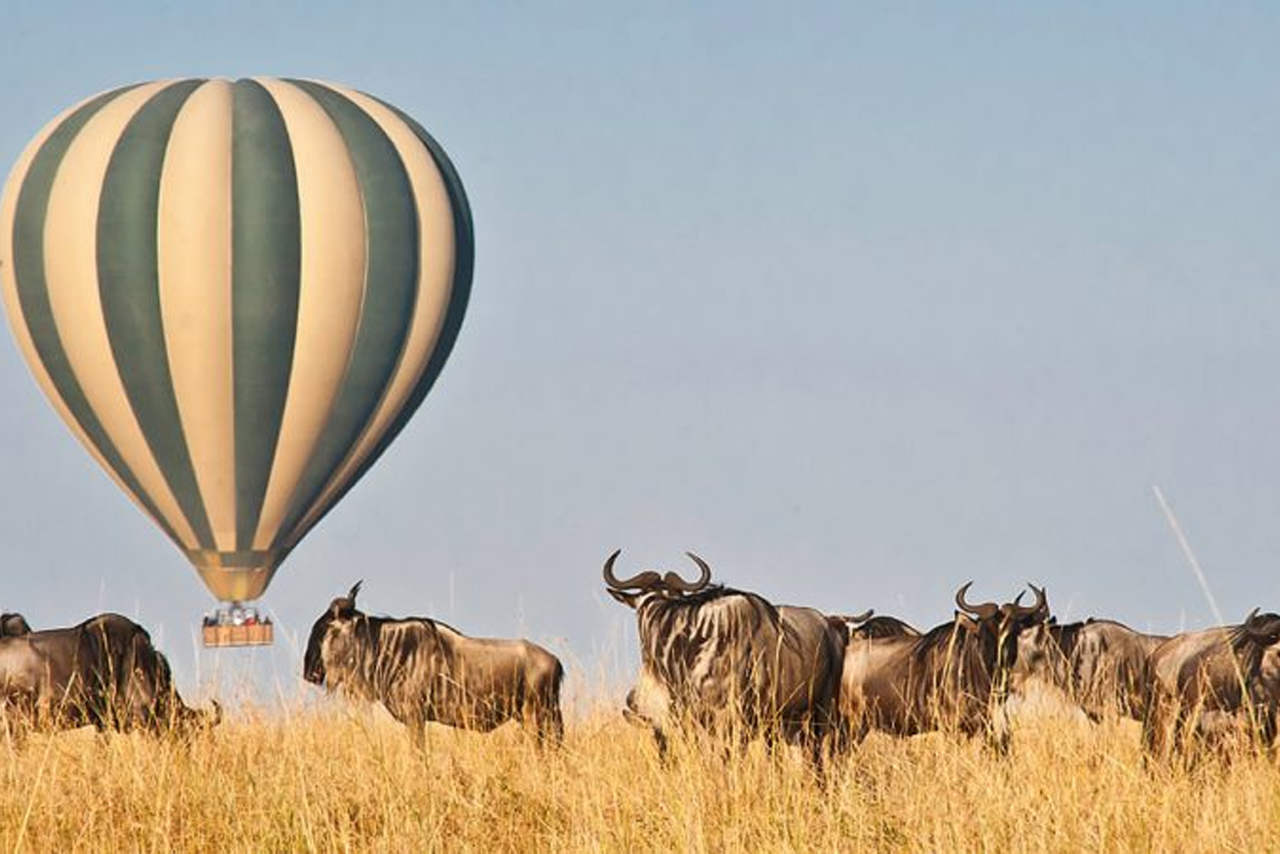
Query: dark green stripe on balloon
391	278
265	281
33	294
464	267
459	295
129	284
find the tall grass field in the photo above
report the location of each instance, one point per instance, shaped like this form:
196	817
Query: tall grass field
329	776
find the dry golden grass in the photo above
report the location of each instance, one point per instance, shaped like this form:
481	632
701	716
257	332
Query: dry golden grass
337	779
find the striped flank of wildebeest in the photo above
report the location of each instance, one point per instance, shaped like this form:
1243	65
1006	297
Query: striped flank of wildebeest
235	293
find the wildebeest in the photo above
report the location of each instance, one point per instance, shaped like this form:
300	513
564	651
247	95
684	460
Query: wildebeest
104	672
422	670
1100	664
952	677
13	624
729	661
1209	683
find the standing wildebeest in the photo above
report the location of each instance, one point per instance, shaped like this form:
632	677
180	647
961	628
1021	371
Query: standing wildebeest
104	672
1214	682
729	660
422	670
13	624
1100	664
951	677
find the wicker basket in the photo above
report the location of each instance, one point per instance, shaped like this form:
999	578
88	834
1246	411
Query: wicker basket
256	634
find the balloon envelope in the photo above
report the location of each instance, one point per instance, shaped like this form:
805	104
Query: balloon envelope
235	294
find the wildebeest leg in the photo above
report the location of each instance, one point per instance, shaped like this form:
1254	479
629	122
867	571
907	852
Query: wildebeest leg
17	723
1155	731
550	727
999	730
660	739
817	742
417	728
1181	735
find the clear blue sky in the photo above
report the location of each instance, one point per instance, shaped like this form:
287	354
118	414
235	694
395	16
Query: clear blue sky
857	301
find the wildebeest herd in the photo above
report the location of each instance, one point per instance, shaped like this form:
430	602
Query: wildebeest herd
714	659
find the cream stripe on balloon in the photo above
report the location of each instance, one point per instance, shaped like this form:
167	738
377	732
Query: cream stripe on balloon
194	248
71	272
13	306
333	273
435	281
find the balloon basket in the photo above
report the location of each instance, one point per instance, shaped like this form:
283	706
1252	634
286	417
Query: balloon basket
237	626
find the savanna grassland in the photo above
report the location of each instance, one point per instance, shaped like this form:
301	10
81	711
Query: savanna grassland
339	778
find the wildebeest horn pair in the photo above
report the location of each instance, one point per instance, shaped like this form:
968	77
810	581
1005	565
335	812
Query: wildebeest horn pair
987	610
649	578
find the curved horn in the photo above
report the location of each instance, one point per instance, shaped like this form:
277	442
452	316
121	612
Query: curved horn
355	588
859	618
216	713
675	582
982	612
1039	609
644	579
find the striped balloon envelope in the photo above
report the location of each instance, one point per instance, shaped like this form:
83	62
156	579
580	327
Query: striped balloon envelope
235	293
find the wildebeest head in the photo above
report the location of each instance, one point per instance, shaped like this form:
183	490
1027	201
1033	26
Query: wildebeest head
1040	651
997	627
631	591
12	625
1258	645
331	637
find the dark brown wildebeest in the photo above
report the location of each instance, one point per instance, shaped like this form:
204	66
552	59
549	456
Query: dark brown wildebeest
953	677
105	673
422	670
1100	664
13	624
729	661
1214	683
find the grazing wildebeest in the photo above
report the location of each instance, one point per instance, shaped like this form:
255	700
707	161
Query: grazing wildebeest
13	624
105	672
1215	682
729	661
422	670
952	677
1100	664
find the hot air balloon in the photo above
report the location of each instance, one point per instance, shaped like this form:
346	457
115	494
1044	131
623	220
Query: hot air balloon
235	294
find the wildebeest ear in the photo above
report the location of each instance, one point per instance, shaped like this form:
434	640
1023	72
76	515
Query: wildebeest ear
623	596
355	588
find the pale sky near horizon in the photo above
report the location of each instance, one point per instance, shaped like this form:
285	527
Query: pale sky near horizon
857	301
